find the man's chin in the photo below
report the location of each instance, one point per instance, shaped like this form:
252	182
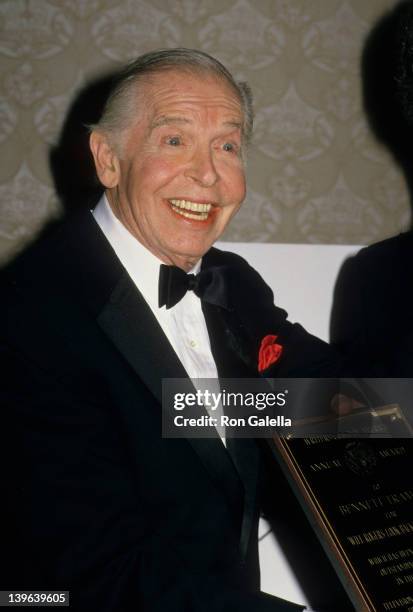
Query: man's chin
187	259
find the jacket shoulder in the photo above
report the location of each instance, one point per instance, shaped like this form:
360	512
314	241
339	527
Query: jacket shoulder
386	250
219	257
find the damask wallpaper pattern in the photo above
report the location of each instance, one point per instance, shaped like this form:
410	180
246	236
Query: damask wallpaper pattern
316	173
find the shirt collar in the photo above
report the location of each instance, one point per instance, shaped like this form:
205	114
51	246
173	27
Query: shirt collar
141	265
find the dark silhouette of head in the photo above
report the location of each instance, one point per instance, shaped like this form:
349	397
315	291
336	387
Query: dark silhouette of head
387	76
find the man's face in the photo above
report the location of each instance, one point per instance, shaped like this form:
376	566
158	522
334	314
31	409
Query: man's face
180	177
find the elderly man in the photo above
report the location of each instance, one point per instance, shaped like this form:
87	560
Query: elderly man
104	506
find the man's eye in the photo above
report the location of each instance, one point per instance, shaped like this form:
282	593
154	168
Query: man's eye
228	146
174	141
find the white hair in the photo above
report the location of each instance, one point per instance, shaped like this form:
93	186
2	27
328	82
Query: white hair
120	108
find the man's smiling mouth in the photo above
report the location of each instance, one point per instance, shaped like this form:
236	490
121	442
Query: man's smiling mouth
191	210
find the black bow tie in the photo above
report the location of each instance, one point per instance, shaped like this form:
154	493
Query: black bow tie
209	285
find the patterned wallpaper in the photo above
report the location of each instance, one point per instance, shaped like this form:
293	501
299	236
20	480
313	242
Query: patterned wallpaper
316	173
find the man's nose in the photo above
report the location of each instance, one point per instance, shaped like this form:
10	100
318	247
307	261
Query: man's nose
202	168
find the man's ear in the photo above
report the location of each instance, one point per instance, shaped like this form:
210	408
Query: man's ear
106	160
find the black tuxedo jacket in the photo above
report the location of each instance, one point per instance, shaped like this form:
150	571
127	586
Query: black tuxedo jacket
98	503
372	318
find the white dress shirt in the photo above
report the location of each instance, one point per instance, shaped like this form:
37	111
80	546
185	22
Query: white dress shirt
183	324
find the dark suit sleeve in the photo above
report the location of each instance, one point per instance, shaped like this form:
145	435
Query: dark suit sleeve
348	325
258	315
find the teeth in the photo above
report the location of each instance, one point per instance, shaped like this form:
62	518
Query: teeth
194	206
188	215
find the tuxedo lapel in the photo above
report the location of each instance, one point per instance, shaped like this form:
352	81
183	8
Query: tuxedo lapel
125	318
244	452
230	352
134	330
130	324
232	356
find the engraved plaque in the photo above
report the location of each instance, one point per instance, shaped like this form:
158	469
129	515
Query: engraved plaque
358	496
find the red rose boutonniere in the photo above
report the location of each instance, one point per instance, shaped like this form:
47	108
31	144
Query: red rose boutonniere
270	352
